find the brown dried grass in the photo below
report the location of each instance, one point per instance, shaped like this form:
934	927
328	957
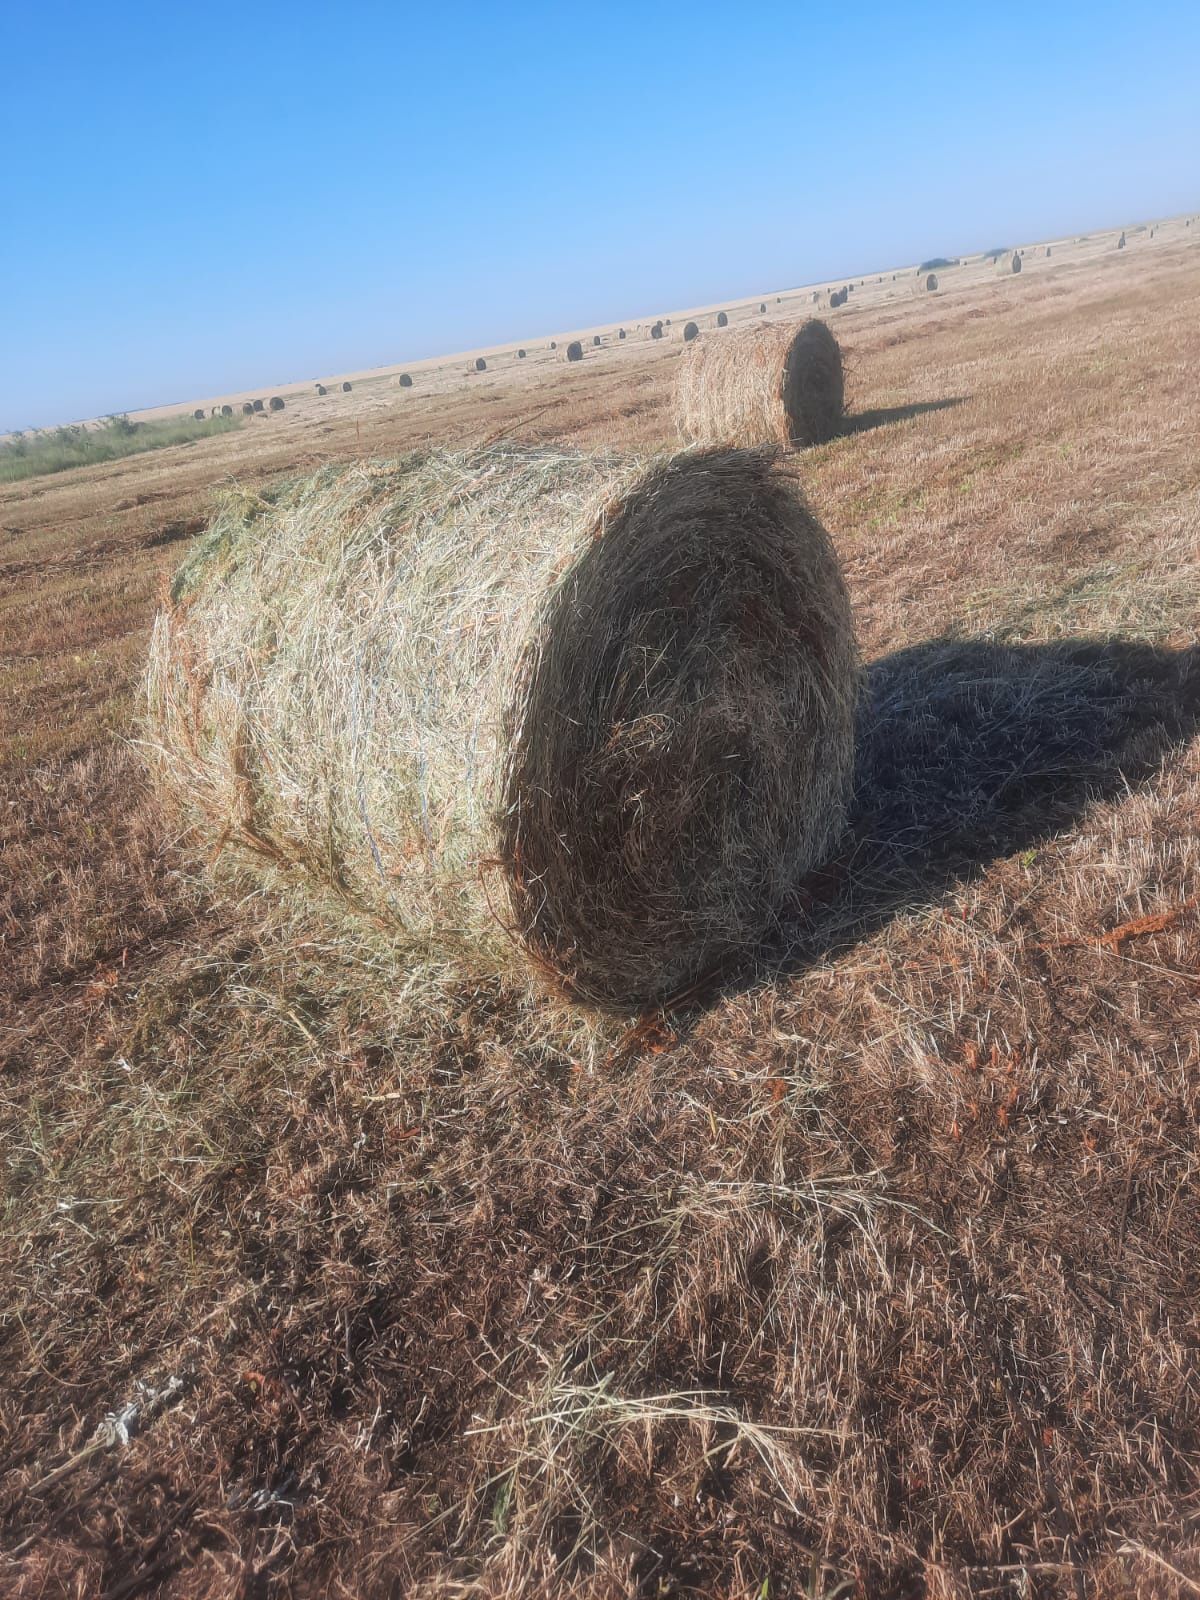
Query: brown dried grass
763	385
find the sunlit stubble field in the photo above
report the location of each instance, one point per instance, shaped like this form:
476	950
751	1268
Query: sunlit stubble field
875	1275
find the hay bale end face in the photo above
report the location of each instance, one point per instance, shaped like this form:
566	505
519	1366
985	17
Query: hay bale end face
346	388
554	344
931	281
258	405
321	389
629	827
575	351
226	411
656	332
722	319
1047	249
276	403
620	333
1016	262
520	355
762	308
198	414
405	380
595	340
1121	242
480	364
690	330
248	409
762	385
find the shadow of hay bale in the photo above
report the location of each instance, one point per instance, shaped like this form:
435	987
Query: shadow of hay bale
969	752
881	416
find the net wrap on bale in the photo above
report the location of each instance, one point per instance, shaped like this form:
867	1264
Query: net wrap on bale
584	711
775	384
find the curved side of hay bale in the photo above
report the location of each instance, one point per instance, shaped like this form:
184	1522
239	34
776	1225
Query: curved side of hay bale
575	351
421	688
480	364
762	385
690	330
722	319
276	403
405	380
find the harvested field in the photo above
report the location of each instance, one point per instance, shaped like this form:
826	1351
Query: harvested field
873	1274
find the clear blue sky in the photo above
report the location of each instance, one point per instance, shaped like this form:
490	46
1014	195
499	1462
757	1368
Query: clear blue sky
207	197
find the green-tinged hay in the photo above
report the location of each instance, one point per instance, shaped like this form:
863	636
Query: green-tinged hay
405	379
575	351
584	712
690	330
722	319
764	385
276	403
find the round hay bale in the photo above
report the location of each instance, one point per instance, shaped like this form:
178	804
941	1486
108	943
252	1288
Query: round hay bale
554	344
620	333
321	389
762	385
520	355
258	405
595	339
816	299
226	411
1047	249
656	332
248	409
931	281
199	414
346	388
575	351
762	308
1121	242
722	320
405	380
690	330
1016	262
480	364
276	403
594	711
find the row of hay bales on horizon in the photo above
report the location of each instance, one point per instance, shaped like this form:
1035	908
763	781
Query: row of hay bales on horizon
582	717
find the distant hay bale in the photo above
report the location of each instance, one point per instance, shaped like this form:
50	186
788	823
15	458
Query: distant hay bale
520	355
575	350
276	403
321	389
1016	262
1047	249
931	281
656	332
258	405
480	364
248	409
590	710
226	411
620	333
199	414
405	380
595	339
554	344
768	384
1121	242
816	299
346	387
722	320
690	330
762	308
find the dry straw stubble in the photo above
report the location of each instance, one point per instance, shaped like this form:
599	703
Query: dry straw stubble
594	709
766	385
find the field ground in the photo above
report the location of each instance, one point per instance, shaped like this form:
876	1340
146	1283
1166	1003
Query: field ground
876	1276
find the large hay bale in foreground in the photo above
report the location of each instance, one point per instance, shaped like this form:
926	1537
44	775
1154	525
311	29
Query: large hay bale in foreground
594	710
766	385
